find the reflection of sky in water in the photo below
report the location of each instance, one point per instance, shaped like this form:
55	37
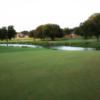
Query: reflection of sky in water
21	45
71	48
54	47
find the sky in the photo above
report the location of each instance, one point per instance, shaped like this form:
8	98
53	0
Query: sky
28	14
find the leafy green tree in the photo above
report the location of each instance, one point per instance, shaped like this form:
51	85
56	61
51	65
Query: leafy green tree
78	31
33	34
53	31
86	29
0	34
67	31
3	33
95	24
49	30
11	32
7	33
91	27
40	32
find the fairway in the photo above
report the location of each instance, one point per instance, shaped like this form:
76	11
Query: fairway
44	74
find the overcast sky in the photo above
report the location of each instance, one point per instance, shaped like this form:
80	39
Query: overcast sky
28	14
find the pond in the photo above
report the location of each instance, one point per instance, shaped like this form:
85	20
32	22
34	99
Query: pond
21	45
70	48
64	48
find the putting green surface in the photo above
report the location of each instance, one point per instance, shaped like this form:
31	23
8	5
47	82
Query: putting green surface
43	74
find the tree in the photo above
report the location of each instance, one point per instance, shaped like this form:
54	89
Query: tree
67	31
40	32
53	31
86	29
11	32
25	33
3	33
95	24
91	27
33	34
49	30
7	33
78	31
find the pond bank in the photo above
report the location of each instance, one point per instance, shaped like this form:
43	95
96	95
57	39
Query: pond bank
79	43
65	48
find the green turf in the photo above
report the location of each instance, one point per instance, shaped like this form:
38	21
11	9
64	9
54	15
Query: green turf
43	74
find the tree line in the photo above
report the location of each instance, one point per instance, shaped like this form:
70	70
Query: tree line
87	29
51	31
90	27
7	33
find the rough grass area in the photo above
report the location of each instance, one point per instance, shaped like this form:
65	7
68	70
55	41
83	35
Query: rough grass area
43	74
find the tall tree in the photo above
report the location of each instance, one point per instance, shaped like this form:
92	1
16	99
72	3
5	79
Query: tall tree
40	32
95	25
49	30
7	33
91	27
67	31
53	31
33	34
11	32
86	29
3	33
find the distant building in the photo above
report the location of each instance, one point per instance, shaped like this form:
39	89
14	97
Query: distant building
21	35
72	35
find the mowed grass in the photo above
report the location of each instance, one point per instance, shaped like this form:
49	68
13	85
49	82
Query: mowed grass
43	74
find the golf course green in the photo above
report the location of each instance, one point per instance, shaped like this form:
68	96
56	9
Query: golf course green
44	74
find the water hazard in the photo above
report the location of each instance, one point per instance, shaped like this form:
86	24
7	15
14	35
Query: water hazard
64	48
